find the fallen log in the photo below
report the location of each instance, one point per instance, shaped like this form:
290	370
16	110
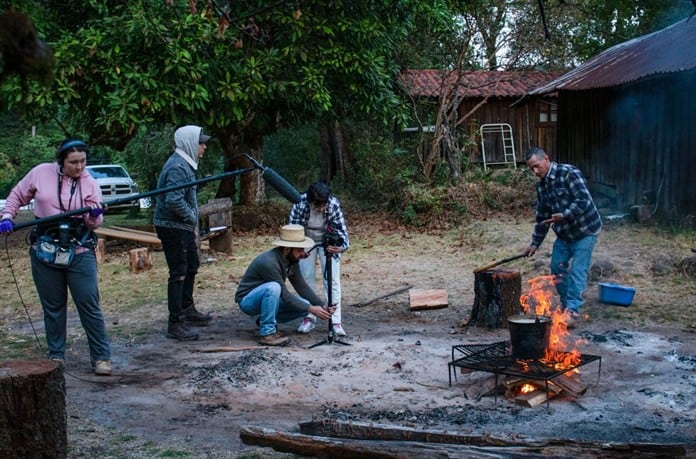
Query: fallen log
311	446
381	297
517	447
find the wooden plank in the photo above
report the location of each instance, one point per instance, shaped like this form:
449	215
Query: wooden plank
428	299
151	238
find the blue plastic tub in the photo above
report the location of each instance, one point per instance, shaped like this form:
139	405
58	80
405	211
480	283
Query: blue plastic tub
620	295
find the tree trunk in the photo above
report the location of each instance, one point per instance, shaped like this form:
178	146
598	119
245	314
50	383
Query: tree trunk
333	151
496	297
33	420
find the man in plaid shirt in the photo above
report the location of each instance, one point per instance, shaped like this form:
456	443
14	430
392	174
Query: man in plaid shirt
320	213
564	203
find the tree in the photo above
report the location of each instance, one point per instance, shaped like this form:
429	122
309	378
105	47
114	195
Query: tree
241	69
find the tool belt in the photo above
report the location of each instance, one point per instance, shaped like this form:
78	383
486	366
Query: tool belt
56	244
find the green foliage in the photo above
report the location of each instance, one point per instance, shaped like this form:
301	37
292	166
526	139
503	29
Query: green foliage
294	154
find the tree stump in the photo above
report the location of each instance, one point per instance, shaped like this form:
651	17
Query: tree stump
496	297
140	259
33	420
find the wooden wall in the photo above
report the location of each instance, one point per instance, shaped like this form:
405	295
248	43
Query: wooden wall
523	117
635	141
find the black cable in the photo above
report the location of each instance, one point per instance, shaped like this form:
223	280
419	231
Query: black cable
42	350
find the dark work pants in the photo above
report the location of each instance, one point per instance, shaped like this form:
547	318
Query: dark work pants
181	252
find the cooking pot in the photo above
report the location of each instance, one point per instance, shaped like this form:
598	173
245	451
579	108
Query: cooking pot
529	335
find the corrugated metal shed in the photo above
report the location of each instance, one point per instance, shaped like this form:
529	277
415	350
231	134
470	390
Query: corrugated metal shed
475	83
672	49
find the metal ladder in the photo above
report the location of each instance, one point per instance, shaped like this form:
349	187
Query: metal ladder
504	130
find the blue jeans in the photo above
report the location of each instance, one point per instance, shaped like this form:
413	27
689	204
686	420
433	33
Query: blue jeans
52	285
264	301
308	267
570	263
181	253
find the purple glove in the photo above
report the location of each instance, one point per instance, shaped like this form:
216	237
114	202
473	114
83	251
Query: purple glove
6	226
97	211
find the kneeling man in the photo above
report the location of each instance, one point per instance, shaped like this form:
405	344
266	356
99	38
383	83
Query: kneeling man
262	291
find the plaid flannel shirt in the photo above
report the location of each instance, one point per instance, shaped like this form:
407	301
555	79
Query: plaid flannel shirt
333	216
564	191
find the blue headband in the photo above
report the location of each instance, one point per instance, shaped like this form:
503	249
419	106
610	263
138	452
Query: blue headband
72	144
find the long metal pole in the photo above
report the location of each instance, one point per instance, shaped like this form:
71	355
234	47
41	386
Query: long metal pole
115	202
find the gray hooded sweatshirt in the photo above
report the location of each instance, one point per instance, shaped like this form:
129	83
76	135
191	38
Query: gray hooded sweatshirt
179	208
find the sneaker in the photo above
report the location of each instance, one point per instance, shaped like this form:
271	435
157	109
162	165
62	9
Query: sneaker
60	362
276	339
179	330
338	330
191	316
102	367
307	325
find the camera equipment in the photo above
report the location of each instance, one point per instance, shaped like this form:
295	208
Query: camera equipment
330	239
276	181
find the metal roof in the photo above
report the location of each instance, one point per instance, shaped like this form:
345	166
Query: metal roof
672	49
475	83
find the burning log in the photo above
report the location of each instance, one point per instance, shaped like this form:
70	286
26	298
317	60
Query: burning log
496	297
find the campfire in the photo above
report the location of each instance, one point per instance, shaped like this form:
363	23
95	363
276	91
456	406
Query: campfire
539	300
541	360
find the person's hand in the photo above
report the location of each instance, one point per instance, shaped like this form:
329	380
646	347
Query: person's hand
322	312
334	249
96	211
529	251
555	218
6	225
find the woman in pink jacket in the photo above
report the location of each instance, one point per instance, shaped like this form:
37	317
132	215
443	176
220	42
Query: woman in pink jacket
62	251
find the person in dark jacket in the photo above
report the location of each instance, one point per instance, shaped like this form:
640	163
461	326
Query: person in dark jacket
176	223
263	292
564	204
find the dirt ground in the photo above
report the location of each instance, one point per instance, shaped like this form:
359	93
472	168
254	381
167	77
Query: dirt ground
172	399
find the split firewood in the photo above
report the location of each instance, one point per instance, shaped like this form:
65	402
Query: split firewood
533	398
570	384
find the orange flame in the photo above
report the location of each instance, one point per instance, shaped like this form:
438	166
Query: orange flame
526	388
541	299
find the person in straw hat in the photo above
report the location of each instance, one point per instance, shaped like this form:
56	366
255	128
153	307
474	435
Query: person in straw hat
263	292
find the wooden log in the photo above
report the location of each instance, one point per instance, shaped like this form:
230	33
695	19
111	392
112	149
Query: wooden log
562	447
216	206
222	242
570	384
33	420
100	250
140	259
427	299
533	398
328	448
496	297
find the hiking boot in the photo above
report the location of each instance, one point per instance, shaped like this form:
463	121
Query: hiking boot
179	330
102	367
191	316
60	362
572	321
338	330
307	325
276	339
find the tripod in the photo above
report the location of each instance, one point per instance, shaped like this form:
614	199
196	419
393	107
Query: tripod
331	338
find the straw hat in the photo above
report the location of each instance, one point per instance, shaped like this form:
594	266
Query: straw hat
294	236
